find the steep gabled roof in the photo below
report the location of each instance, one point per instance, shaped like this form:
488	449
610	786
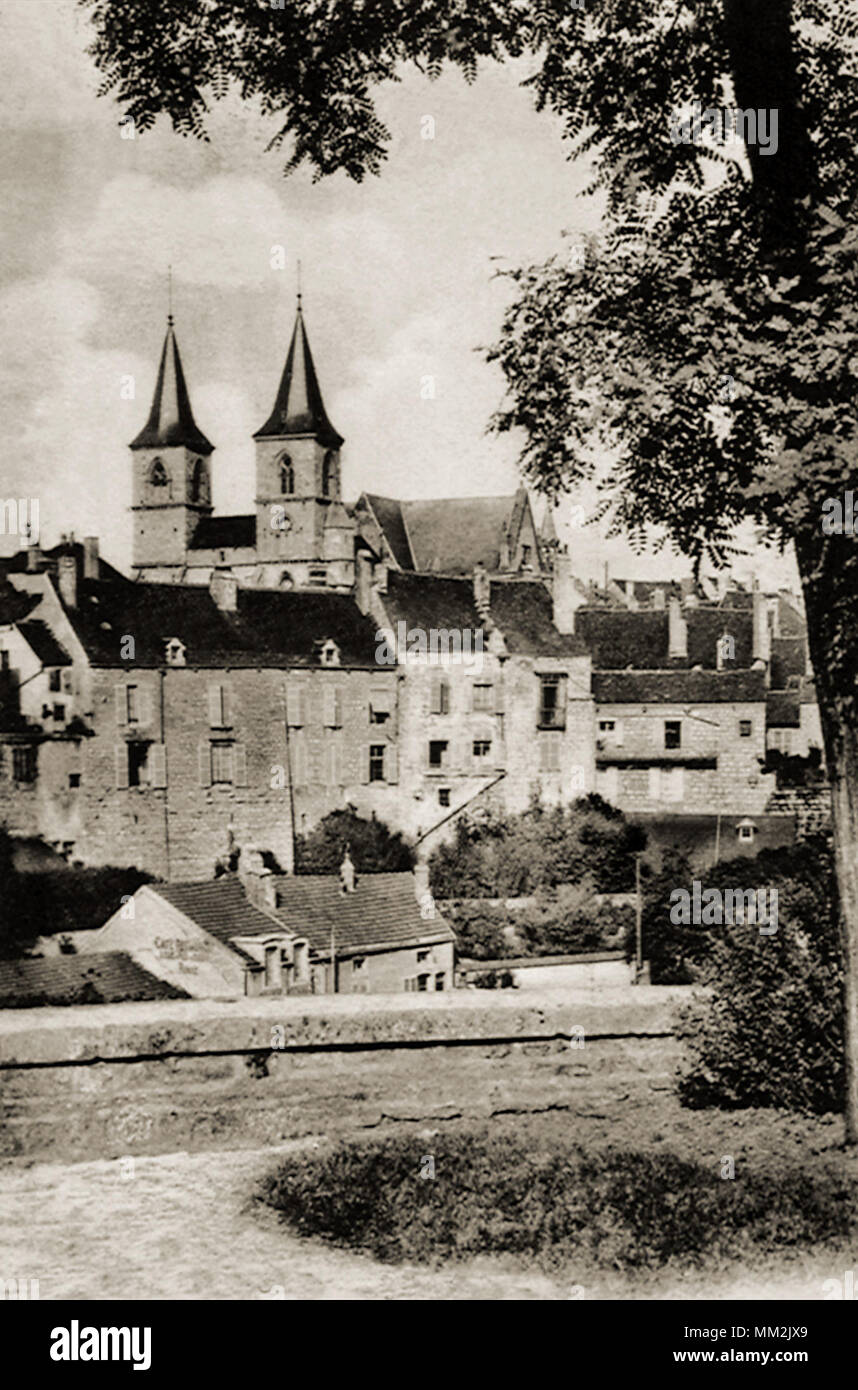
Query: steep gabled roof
43	643
388	514
171	420
450	535
298	408
218	906
521	609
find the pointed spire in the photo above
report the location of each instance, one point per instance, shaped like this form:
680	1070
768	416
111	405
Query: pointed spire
171	420
299	408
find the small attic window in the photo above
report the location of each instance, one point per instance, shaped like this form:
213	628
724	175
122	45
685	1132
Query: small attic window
329	653
175	652
745	831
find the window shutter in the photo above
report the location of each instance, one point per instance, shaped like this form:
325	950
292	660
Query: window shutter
239	765
298	760
391	763
216	706
655	784
364	776
330	706
121	760
204	762
499	705
435	698
618	732
543	753
144	705
295	706
121	705
158	765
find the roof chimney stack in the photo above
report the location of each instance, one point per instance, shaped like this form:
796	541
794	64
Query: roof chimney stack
677	649
223	587
90	557
347	873
67	580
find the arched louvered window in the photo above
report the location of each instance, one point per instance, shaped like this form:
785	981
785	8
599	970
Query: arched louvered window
198	482
329	474
158	475
287	475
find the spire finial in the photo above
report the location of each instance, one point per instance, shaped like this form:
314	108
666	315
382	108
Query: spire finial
170	295
299	286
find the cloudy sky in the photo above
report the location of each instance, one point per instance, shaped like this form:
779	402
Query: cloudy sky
398	279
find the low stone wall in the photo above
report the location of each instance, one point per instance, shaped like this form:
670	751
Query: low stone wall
113	1080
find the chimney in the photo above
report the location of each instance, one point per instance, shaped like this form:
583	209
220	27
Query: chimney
90	557
347	873
482	593
761	650
223	587
67	580
565	594
34	557
259	883
677	646
363	580
379	576
421	879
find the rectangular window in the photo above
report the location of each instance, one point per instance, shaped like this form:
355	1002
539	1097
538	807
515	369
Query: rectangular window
74	780
4	661
443	697
549	753
443	796
525	555
745	728
672	733
333	703
380	706
218	707
484	695
358	962
606	726
132	704
376	762
423	982
54	680
482	748
438	751
221	756
138	765
273	978
439	980
24	764
421	956
552	702
59	713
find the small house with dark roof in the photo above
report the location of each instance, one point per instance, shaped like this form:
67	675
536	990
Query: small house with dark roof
260	933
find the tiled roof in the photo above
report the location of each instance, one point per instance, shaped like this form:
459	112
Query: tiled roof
451	535
522	609
270	627
171	420
382	911
43	643
224	533
219	906
678	687
783	709
640	639
48	561
64	980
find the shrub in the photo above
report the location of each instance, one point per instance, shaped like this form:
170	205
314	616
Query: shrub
498	1194
373	847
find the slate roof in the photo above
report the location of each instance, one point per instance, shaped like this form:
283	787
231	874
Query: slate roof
224	533
789	658
171	420
678	687
15	605
450	535
617	638
43	643
27	982
298	408
522	609
270	627
388	514
382	911
783	709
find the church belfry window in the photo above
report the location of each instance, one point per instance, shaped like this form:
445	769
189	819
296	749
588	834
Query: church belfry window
198	481
329	474
158	476
287	476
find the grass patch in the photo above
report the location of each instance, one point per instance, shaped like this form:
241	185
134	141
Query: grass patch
495	1194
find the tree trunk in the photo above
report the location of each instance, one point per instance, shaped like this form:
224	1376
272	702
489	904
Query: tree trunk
830	582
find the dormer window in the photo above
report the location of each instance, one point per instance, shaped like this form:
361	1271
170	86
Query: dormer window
158	475
287	476
329	653
175	652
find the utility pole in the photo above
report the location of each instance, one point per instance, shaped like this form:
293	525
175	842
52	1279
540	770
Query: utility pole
638	921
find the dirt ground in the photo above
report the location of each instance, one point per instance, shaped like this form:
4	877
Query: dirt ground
183	1226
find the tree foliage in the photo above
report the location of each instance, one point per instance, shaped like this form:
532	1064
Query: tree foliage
373	848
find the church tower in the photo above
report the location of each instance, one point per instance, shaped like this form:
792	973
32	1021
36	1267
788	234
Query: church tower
172	473
304	535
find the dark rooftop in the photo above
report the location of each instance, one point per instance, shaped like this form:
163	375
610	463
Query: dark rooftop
28	982
678	687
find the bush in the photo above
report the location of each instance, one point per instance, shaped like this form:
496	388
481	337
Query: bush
770	1031
566	922
373	847
499	856
498	1194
